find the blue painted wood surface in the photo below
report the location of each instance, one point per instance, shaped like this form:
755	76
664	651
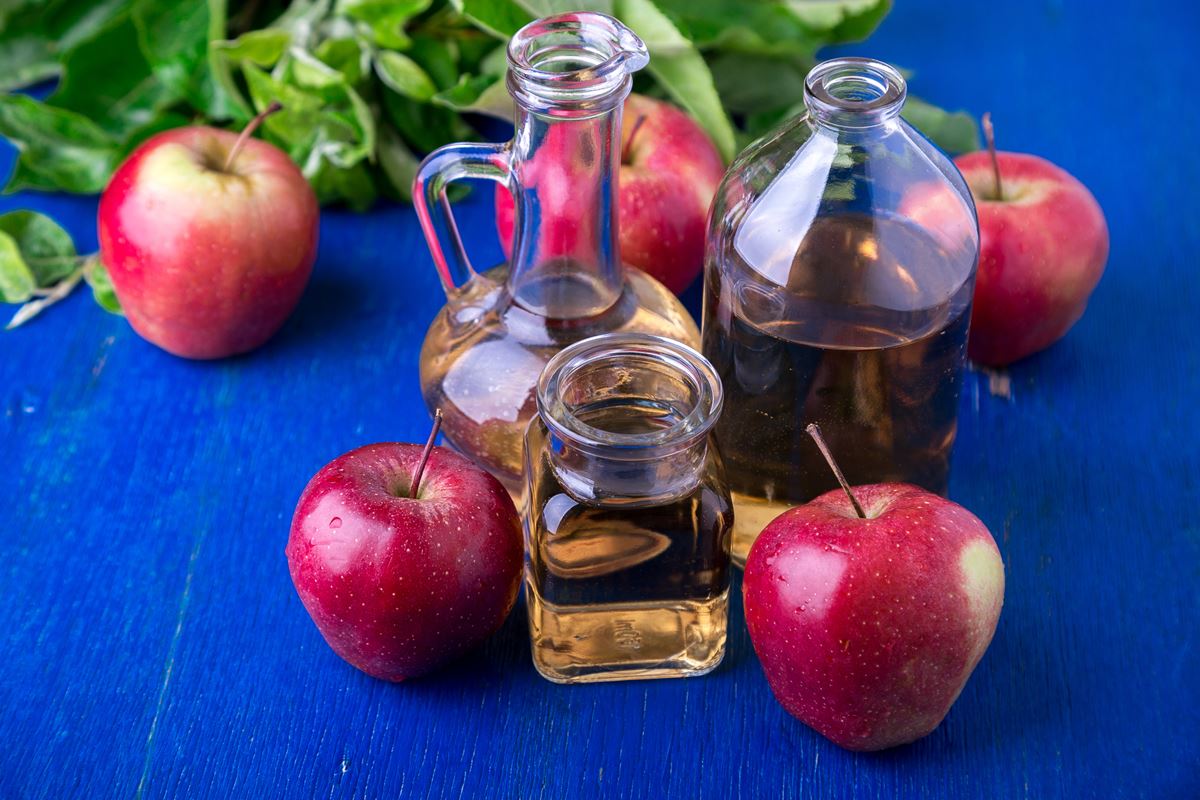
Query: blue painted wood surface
151	642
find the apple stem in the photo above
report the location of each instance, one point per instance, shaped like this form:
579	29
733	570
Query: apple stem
815	433
989	133
416	478
247	131
637	126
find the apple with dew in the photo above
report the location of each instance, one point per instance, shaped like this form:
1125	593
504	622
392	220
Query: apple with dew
668	175
1043	244
209	238
870	607
404	557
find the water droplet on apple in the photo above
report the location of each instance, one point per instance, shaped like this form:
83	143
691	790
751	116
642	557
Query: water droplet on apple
336	522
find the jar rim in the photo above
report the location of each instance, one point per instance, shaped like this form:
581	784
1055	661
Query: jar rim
854	91
602	51
596	352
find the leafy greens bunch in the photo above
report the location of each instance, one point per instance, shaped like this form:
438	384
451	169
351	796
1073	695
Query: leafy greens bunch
369	85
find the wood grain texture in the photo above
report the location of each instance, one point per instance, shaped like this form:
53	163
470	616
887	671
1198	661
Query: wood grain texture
151	643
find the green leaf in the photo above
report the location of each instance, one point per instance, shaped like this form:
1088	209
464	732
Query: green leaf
96	274
503	18
495	62
352	186
308	71
262	47
45	248
481	94
500	18
423	126
351	56
953	132
749	82
437	57
301	17
118	94
16	278
25	61
59	149
680	70
398	162
763	28
35	35
329	131
37	257
385	18
546	8
840	20
403	75
173	38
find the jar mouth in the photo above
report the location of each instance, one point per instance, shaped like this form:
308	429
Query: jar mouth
854	92
573	61
630	396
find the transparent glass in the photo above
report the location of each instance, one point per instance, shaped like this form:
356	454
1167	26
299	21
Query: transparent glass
628	517
569	76
839	271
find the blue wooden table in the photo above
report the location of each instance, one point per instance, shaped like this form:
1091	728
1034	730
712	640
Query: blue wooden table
151	643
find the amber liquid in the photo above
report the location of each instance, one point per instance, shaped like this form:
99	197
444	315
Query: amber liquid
855	352
480	364
621	589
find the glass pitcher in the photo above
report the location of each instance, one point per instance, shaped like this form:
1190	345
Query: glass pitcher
482	356
839	271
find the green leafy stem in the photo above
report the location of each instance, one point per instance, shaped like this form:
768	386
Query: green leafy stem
367	87
39	266
370	85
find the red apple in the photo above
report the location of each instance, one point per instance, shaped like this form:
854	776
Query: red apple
868	627
399	584
1042	250
208	253
669	173
1043	244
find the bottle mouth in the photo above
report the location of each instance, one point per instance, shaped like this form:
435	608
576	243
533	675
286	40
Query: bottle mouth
629	396
573	62
854	92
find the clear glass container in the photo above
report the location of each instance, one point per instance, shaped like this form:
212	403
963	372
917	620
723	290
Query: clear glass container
627	517
569	76
839	271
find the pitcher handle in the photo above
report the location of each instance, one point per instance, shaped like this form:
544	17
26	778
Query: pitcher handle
439	169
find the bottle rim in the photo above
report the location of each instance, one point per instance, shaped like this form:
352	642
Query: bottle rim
628	350
573	62
854	92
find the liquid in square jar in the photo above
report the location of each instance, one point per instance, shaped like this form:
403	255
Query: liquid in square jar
628	518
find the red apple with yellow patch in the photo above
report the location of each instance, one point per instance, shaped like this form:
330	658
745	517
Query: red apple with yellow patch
870	607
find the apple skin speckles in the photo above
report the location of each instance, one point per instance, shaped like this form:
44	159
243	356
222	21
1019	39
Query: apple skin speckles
207	262
867	629
401	585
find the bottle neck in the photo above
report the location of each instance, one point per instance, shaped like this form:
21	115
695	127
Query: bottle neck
566	260
850	94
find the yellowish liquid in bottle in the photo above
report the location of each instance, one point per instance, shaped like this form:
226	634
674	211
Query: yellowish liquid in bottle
620	590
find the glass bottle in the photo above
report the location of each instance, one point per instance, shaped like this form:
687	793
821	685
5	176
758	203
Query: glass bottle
482	356
628	517
839	271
